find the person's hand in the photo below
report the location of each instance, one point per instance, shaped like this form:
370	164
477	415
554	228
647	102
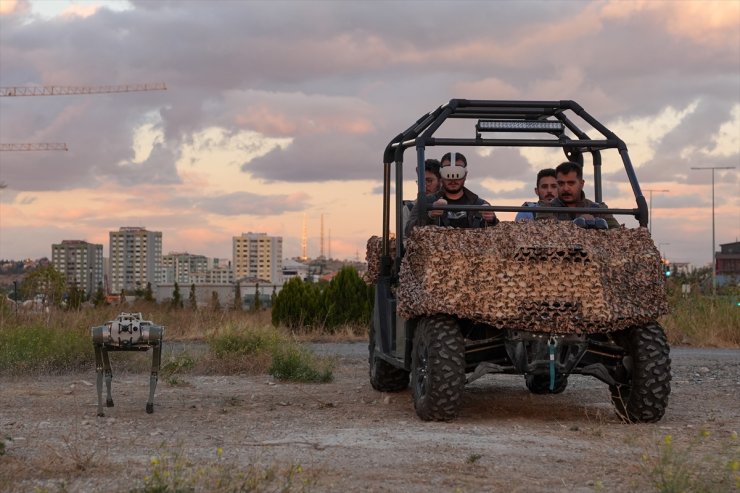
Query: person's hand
437	213
488	216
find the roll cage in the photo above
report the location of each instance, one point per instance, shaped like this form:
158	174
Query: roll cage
541	117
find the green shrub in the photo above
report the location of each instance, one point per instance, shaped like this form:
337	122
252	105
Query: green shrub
345	300
297	364
243	341
37	347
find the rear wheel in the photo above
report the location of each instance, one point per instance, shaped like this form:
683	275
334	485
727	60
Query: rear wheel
437	368
540	384
647	366
384	377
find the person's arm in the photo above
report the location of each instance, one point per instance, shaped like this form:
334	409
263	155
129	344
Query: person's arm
489	216
524	216
610	219
413	219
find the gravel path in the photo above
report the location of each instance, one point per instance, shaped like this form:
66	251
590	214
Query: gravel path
347	437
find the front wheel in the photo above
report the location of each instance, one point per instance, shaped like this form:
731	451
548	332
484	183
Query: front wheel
643	397
437	368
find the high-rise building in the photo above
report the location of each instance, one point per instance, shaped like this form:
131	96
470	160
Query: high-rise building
80	262
135	258
182	267
258	257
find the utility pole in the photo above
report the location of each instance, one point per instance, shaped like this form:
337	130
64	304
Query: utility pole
321	255
714	253
659	250
650	209
304	240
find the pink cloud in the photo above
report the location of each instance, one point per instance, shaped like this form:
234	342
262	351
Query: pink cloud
712	23
270	120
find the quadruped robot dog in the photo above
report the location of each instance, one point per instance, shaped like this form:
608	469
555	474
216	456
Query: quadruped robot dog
128	332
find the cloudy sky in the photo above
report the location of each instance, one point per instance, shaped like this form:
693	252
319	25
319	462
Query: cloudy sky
275	111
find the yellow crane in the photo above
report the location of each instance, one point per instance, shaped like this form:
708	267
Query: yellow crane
55	146
17	91
13	91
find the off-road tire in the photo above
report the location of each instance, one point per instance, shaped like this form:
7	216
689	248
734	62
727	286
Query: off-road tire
643	399
540	384
384	377
437	368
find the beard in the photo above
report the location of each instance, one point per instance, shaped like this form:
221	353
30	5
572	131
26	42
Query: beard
453	186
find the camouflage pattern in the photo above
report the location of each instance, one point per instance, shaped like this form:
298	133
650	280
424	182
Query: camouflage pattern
539	276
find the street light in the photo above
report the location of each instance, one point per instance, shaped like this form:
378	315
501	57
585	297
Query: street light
650	209
659	250
714	253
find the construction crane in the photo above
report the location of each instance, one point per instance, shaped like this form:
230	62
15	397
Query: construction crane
57	146
73	90
14	91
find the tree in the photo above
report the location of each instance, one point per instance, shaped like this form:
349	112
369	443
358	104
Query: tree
192	300
99	296
256	304
238	297
297	305
46	282
346	299
75	296
123	296
176	297
215	303
148	295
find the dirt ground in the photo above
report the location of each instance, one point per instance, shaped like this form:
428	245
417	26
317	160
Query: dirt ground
347	437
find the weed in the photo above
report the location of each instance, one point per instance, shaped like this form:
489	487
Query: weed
176	365
298	364
700	465
473	458
81	456
172	472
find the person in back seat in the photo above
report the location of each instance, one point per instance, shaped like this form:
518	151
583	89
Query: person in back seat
546	190
432	183
453	192
569	176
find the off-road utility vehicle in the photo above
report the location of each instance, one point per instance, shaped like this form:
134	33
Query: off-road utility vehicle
544	298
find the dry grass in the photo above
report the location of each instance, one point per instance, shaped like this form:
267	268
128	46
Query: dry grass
702	321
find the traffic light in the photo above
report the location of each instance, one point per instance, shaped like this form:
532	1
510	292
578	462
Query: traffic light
666	267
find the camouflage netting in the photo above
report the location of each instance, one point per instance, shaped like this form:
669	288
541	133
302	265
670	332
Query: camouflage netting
541	276
372	257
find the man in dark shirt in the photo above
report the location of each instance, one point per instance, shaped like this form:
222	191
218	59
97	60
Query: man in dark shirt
453	192
569	176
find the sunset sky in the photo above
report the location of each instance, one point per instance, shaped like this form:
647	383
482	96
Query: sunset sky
278	109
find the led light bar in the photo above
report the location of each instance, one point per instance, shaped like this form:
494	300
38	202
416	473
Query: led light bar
550	126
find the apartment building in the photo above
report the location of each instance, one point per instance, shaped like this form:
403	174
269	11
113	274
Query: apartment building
80	262
135	258
218	272
258	256
182	267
